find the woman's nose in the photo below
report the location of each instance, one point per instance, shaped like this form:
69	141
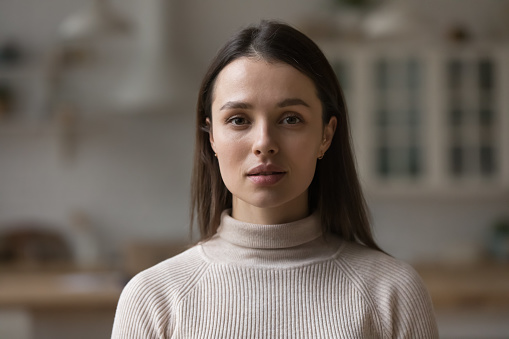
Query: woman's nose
264	140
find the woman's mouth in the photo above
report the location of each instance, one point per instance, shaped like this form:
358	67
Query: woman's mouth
266	179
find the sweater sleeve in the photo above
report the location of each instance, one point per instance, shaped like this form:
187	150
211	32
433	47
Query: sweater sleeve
408	307
394	291
140	311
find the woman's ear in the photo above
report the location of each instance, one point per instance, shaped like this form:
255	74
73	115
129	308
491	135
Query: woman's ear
328	134
208	123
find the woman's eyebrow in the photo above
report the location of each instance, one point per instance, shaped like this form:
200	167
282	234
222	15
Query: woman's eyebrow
236	104
245	105
292	102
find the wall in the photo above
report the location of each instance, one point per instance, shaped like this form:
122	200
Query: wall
130	174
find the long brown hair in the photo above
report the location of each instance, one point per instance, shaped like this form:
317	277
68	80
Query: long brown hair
335	190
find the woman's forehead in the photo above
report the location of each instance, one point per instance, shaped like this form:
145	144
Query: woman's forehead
246	79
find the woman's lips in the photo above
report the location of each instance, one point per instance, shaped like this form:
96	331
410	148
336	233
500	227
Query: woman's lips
266	174
266	179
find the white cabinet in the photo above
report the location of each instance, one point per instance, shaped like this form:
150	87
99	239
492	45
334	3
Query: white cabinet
427	118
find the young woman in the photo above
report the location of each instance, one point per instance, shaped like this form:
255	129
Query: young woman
286	248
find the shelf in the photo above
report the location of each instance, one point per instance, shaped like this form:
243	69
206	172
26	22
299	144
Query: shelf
479	286
77	291
465	191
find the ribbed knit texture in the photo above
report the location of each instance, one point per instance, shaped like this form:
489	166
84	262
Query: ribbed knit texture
276	281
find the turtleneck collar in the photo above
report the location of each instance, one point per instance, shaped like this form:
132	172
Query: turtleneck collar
278	236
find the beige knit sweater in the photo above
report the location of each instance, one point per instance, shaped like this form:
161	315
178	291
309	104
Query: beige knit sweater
276	281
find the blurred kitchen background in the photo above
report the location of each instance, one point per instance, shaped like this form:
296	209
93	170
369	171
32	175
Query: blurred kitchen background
97	105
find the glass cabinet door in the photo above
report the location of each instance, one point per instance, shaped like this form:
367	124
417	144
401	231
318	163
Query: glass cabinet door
471	117
427	118
397	86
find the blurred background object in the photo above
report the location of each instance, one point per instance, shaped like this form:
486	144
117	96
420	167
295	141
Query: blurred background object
6	99
97	106
499	241
153	82
32	246
10	56
97	20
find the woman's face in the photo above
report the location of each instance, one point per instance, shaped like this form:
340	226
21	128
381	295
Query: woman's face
267	132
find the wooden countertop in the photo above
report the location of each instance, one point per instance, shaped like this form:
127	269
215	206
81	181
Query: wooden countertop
467	286
474	286
81	290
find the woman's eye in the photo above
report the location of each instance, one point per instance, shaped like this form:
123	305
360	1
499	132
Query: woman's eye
291	120
237	121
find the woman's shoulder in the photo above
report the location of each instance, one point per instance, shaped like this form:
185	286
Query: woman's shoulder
170	278
391	287
370	263
146	303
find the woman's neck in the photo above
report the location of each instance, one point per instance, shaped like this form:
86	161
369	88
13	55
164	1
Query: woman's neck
291	211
